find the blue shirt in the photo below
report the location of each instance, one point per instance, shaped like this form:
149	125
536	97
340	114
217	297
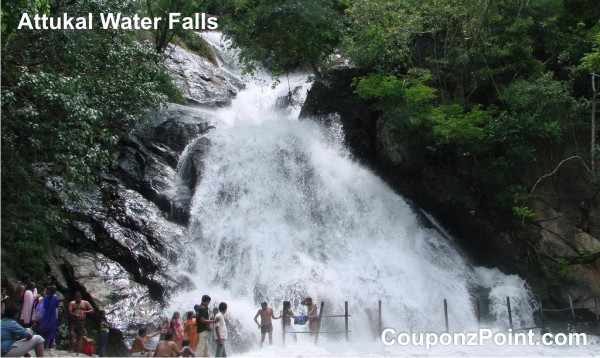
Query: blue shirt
11	332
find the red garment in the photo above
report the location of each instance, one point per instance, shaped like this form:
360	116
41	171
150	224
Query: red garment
87	348
177	329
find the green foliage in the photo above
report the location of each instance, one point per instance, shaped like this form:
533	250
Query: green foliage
166	86
453	127
13	10
561	271
538	114
379	86
196	44
283	34
163	34
379	34
588	257
68	97
523	212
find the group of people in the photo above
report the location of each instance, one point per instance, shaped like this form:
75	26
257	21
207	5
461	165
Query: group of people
266	316
190	339
30	321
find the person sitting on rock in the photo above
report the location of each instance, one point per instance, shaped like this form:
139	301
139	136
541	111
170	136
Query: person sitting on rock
16	340
166	347
138	347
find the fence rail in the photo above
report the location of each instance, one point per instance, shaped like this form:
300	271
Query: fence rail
318	331
379	324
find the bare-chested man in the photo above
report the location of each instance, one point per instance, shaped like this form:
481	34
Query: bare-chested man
313	314
266	325
138	347
77	309
166	347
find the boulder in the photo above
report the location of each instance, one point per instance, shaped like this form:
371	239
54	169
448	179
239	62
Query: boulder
107	286
200	81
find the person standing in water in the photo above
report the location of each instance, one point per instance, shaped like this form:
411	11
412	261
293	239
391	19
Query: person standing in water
190	331
287	319
203	326
313	314
265	325
221	330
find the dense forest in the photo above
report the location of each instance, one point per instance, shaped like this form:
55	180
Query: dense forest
493	93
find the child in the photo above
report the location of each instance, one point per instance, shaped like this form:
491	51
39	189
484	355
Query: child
186	350
87	344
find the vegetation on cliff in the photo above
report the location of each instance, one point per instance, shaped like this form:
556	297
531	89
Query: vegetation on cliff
68	97
492	92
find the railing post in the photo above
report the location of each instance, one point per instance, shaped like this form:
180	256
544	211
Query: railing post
346	318
446	314
596	309
283	324
380	321
510	322
319	323
571	305
541	313
478	311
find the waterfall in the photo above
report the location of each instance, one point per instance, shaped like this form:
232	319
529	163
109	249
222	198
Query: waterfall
282	211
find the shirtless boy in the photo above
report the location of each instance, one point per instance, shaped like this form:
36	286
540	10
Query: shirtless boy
266	325
166	347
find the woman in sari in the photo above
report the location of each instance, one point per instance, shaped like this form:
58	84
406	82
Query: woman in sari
177	329
46	324
189	329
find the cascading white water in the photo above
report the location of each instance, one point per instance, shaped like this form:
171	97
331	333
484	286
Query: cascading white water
282	212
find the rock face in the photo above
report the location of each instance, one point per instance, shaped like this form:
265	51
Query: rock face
200	80
557	251
127	234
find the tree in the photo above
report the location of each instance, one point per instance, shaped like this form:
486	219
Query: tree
67	99
163	33
591	62
284	34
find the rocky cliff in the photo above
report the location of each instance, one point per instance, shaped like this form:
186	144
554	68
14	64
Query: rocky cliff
127	234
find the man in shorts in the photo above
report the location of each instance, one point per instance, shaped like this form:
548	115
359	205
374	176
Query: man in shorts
265	325
78	309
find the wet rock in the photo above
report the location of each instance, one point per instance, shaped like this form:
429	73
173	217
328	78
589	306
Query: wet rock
107	286
200	81
193	165
292	99
177	133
